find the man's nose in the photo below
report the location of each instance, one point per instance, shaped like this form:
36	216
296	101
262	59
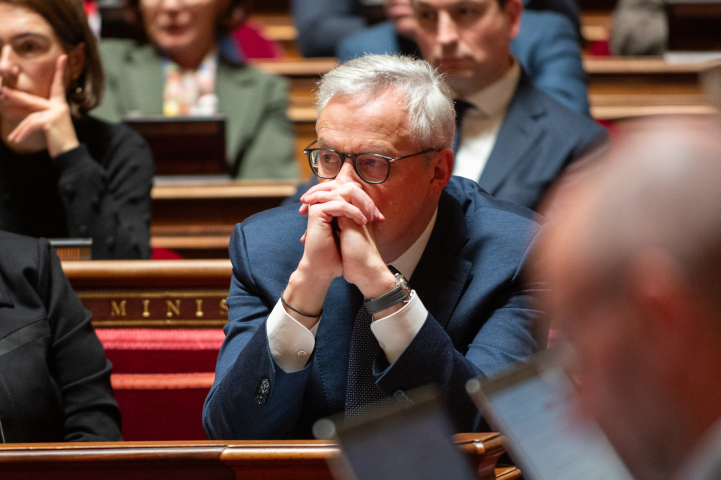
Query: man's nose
447	33
347	172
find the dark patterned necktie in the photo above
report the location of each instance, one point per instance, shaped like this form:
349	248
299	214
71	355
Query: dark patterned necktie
362	390
461	108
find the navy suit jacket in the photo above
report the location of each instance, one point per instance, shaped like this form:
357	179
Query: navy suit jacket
469	278
538	138
546	46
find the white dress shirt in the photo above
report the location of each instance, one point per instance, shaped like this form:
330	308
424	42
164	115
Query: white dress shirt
291	343
480	125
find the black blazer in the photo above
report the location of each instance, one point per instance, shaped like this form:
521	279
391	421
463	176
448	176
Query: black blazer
54	377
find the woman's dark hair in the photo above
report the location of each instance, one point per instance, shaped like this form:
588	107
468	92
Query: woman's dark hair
228	20
68	20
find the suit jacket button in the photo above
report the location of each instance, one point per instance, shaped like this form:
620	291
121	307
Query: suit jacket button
260	399
264	386
401	397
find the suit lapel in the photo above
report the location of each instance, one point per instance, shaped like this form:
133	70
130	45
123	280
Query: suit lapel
146	81
234	87
441	275
521	128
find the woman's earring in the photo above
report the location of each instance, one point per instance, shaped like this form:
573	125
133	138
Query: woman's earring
78	90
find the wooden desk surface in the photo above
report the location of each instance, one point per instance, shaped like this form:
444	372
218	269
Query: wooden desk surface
208	460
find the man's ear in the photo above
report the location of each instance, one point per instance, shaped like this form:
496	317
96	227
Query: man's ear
76	61
513	10
442	166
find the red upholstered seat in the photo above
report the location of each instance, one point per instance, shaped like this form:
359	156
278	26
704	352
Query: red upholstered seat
161	378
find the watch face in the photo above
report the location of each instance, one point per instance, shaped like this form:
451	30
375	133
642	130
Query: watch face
403	283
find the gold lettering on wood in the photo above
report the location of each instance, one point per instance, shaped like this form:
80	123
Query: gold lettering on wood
223	307
117	310
146	313
199	307
173	308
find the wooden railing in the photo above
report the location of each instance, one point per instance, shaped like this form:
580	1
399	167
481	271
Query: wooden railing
153	294
208	460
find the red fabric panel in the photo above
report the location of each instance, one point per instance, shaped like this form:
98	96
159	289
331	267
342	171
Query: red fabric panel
162	414
155	406
165	361
249	37
160	253
599	48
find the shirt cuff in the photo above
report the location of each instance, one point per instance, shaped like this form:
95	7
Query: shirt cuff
290	343
396	331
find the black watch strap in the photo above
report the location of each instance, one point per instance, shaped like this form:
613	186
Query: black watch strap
399	294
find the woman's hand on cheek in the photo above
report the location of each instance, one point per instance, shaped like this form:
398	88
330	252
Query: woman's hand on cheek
50	116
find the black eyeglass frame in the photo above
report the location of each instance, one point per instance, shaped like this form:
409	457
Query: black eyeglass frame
389	161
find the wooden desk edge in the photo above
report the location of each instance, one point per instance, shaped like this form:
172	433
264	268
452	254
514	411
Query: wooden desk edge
138	273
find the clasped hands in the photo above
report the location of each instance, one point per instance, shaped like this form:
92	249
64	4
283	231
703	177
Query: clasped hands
51	116
355	257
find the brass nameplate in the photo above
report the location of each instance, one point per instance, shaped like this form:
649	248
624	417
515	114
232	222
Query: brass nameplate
171	309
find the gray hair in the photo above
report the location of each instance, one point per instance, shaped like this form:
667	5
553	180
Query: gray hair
428	99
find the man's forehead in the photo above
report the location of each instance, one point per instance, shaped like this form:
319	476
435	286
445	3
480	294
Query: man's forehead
343	128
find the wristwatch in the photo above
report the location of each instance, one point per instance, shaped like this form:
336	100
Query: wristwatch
399	294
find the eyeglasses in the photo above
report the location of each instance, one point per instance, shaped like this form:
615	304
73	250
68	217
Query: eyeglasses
156	3
371	168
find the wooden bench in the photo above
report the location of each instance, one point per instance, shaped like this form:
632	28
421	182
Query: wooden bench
208	460
629	87
195	217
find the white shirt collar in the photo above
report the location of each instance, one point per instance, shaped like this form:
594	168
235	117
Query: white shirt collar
704	463
494	99
408	261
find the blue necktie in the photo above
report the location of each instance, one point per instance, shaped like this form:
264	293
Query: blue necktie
362	394
461	107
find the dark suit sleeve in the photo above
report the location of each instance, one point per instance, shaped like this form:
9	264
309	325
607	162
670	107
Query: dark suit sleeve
237	407
548	49
76	359
511	333
323	23
108	198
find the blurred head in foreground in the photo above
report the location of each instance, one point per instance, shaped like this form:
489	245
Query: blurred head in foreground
634	264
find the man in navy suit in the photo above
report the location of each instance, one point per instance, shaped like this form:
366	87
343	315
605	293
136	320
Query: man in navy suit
514	139
319	323
547	46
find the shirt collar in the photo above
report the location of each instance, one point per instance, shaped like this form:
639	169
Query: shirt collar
494	99
408	261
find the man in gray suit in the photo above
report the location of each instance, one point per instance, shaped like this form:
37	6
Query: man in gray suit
635	274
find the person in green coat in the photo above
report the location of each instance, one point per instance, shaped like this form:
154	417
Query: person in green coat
187	66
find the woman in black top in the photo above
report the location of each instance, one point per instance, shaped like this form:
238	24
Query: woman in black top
63	173
54	377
